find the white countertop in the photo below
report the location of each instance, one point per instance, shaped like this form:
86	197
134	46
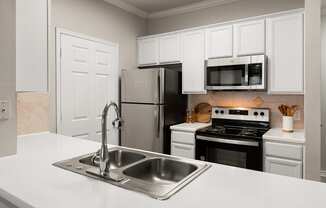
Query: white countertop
189	127
29	180
276	134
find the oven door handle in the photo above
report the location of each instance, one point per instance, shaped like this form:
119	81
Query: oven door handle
228	141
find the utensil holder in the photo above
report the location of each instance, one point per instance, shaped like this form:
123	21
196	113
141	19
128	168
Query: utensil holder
287	123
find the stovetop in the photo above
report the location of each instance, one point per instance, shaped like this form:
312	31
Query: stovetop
238	123
233	132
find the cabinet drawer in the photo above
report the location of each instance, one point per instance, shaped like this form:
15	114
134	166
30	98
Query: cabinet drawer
290	151
284	167
183	150
183	137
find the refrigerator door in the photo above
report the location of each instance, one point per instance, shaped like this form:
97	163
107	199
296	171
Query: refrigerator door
142	86
142	126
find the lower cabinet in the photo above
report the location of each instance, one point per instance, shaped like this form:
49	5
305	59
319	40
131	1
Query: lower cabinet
183	150
283	167
183	144
284	159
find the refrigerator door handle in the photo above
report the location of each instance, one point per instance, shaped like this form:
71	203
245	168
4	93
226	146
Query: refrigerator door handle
158	89
157	118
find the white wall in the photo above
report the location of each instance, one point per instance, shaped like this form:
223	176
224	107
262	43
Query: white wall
323	92
8	139
313	88
236	10
98	19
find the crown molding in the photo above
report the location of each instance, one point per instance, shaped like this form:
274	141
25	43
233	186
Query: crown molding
189	8
169	12
128	7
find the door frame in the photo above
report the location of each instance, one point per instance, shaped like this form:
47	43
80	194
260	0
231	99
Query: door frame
58	33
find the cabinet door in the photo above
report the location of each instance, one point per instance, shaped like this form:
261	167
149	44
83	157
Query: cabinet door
193	62
183	150
219	42
148	51
285	52
169	49
283	167
250	38
31	45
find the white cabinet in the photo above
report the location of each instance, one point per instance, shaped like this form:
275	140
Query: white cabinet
183	139
249	38
285	52
283	158
219	42
183	150
183	144
31	45
193	62
282	166
169	49
148	51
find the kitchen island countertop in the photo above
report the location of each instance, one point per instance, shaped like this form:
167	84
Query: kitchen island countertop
28	179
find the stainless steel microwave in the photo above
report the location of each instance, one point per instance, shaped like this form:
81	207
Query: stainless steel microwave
241	73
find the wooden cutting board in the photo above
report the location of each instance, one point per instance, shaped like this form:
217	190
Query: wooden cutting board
203	112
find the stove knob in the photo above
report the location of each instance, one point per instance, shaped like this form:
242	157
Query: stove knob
217	111
255	113
262	113
222	111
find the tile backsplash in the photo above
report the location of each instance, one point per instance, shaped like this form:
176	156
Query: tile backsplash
32	112
255	99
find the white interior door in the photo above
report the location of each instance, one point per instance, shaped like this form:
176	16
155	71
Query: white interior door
88	79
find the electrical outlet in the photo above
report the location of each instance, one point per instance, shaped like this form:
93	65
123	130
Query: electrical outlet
4	110
297	116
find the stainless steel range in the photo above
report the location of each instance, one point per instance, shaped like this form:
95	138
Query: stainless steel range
235	137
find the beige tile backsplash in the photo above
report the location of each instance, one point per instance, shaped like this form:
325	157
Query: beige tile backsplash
32	112
33	108
254	99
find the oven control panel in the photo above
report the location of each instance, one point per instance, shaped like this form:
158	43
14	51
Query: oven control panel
248	114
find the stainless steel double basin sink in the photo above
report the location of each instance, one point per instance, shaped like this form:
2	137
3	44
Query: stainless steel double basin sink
157	175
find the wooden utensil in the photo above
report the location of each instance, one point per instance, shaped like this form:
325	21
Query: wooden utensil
288	110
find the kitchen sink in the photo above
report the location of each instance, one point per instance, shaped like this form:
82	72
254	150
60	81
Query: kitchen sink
156	175
160	171
118	158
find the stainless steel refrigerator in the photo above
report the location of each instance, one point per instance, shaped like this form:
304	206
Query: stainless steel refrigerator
151	101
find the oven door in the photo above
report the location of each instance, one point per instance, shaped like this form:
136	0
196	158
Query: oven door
239	153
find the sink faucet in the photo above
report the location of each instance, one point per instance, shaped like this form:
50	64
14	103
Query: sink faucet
104	153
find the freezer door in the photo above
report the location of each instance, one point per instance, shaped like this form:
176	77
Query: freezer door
142	127
141	86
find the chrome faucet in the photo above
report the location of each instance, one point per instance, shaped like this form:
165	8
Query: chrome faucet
104	162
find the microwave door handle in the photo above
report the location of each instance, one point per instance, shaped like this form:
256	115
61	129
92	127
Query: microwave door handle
246	74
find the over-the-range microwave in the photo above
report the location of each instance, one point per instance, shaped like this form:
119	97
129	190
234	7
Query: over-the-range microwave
241	73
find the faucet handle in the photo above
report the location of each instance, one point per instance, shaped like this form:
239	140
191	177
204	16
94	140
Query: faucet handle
117	123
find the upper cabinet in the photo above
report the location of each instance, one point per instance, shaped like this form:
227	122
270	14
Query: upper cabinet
193	62
169	49
31	45
279	36
164	49
148	51
219	42
249	38
285	52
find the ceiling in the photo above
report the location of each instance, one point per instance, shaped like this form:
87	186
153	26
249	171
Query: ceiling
163	8
159	5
